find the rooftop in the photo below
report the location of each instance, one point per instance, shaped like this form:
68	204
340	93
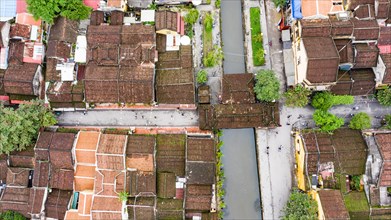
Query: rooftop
64	29
333	204
383	142
315	27
238	88
198	197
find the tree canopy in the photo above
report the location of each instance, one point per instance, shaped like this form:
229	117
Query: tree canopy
384	96
202	77
387	119
360	121
19	128
300	206
325	100
327	121
192	16
48	10
297	96
12	215
267	86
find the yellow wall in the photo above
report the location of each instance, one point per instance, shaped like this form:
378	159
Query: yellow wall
300	161
314	194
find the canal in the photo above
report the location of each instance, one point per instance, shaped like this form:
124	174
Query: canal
242	197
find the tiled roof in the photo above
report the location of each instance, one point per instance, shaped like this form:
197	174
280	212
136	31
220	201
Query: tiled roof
352	4
142	208
169	209
166	20
365	29
166	185
36	201
61	179
323	59
200	172
315	27
16	49
15	199
141	182
384	144
99	205
386	58
365	11
18	79
84	177
109	183
110	152
198	197
97	17
135	34
238	88
22	158
60	151
345	50
41	173
200	149
17	176
104	34
239	116
383	10
64	29
385	36
363	81
42	145
57	203
58	49
333	204
170	156
140	144
3	169
142	162
20	30
65	92
365	56
116	18
341	28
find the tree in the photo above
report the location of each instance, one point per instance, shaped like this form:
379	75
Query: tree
297	96
327	121
384	96
12	215
360	121
123	196
267	86
19	128
300	206
208	22
48	10
202	77
192	16
325	100
387	119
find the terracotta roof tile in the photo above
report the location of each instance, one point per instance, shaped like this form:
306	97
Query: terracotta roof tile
111	144
200	149
56	203
352	4
385	36
200	172
41	174
99	203
341	28
36	202
365	11
363	81
365	29
386	58
20	30
238	88
170	156
140	144
64	29
104	34
384	144
97	17
166	185
15	199
58	49
18	79
116	18
315	27
198	197
142	162
333	204
140	182
84	178
22	158
16	49
85	202
61	179
365	56
383	10
18	176
166	20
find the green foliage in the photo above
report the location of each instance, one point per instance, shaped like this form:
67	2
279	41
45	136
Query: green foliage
360	121
257	37
208	22
217	3
208	2
267	86
189	30
327	121
152	6
123	196
192	16
48	10
387	118
325	100
384	96
297	96
279	3
207	38
202	77
355	184
214	57
12	215
300	206
19	128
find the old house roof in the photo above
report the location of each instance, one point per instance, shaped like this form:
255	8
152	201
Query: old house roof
363	81
97	17
65	92
60	151
140	182
383	142
365	55
345	50
333	204
117	17
100	209
167	20
386	58
62	179
238	88
109	183
352	4
17	176
169	208
365	11
365	29
18	79
3	168
22	158
104	34
385	36
166	185
170	155
57	203
174	77
315	27
15	199
36	200
58	49
142	208
42	145
139	152
200	172
15	55
41	173
20	31
198	197
239	116
341	28
323	59
52	74
110	152
64	29
346	148
200	149
383	9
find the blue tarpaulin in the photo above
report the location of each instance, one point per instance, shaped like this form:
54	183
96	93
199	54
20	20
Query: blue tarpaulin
296	9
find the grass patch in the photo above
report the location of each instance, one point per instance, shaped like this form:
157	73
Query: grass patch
207	37
357	205
256	37
67	130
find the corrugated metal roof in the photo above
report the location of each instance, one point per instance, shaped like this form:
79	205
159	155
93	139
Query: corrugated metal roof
7	9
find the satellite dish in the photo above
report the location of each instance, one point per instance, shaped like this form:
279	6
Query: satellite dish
185	40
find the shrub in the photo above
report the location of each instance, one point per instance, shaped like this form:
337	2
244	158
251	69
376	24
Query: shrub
123	196
12	215
192	16
267	86
300	206
279	3
325	100
360	121
384	96
214	57
387	119
297	96
208	22
327	121
217	3
202	77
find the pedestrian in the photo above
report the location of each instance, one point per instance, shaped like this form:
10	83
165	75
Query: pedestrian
279	148
84	112
289	116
